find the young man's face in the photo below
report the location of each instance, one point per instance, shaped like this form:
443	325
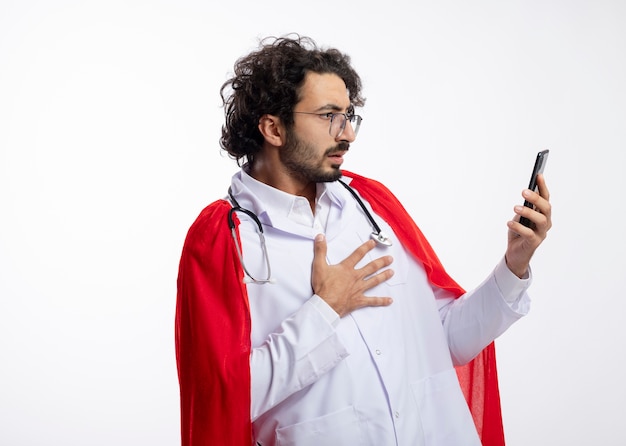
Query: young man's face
311	152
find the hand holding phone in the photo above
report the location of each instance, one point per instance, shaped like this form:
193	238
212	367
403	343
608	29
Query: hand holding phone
540	164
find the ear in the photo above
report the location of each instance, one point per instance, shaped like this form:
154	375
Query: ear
272	130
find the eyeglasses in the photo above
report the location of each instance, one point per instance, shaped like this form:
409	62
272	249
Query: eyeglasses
338	121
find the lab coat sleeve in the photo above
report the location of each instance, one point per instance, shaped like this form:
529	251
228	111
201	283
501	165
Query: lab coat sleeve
304	348
478	317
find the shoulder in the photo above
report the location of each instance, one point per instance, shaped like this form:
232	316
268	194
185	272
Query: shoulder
211	223
368	186
357	179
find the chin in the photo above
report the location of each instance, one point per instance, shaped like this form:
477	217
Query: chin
332	175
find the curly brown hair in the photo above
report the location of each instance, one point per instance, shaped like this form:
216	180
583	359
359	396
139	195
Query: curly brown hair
268	81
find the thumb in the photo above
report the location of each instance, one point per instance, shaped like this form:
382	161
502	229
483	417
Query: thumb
319	250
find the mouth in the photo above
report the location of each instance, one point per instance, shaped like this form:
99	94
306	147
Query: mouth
337	155
336	158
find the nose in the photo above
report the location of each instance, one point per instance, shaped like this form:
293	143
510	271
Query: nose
347	134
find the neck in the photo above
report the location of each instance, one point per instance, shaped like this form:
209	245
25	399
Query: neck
278	178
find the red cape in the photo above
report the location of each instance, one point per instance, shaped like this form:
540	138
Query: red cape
213	328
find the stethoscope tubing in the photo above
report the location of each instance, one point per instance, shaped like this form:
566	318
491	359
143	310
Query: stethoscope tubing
377	235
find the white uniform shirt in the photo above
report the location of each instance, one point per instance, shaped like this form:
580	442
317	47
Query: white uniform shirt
379	376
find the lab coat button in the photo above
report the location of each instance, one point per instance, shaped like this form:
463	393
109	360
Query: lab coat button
397	414
378	352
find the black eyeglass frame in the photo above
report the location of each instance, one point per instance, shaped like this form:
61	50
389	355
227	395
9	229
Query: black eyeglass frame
346	117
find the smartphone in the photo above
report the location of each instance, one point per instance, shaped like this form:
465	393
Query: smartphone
540	164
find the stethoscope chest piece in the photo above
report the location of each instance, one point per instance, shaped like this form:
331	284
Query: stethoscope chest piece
381	238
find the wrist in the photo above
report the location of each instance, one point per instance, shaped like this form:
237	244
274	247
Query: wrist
520	271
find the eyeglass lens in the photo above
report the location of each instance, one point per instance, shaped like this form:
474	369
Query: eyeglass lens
339	121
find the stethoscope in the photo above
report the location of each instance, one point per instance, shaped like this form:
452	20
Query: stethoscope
378	235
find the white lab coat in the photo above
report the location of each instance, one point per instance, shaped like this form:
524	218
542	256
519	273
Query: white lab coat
379	376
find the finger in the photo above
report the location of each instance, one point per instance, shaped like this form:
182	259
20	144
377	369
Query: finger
545	208
543	202
516	227
540	222
377	279
542	188
358	254
523	212
376	265
366	301
319	251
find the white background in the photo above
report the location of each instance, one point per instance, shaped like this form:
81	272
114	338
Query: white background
109	124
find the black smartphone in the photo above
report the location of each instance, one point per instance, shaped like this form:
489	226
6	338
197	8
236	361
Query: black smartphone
540	164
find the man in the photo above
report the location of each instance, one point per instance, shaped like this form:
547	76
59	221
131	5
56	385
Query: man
294	326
